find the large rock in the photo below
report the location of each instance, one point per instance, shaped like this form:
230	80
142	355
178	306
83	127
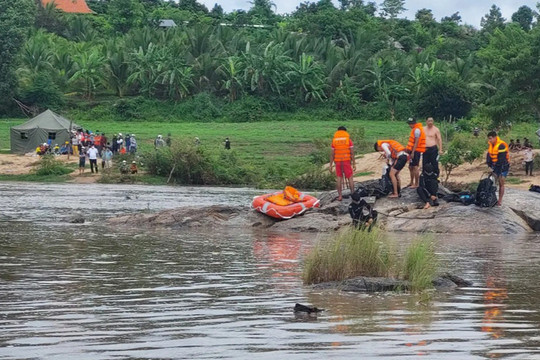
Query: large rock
406	214
526	204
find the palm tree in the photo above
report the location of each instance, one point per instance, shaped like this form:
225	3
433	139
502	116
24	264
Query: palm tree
308	77
89	65
231	70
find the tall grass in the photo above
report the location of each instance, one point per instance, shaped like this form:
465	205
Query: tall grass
420	264
351	253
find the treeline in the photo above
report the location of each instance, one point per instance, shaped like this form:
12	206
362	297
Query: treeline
360	59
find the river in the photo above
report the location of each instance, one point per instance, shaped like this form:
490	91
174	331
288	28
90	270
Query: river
89	291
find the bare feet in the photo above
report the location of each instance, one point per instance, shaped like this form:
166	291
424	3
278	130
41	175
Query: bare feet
427	206
339	198
413	187
393	196
499	203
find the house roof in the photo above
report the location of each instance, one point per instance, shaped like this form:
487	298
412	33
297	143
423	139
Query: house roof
167	23
70	6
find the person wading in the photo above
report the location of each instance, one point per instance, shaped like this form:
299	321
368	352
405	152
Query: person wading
433	145
498	159
343	157
416	147
396	157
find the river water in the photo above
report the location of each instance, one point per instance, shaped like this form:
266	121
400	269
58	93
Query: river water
89	291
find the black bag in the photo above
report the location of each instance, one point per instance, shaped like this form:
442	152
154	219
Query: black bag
486	193
384	187
362	214
535	188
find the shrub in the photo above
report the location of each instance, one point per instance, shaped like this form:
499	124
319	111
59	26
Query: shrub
51	166
201	107
43	92
463	148
350	253
247	109
420	264
314	179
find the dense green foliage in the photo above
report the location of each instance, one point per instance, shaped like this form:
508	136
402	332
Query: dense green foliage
358	60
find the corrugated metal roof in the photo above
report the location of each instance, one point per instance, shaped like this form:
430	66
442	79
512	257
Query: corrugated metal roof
70	6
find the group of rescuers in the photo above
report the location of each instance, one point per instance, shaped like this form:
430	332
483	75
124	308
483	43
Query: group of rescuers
424	142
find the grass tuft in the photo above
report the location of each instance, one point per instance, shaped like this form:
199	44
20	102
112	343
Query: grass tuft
420	264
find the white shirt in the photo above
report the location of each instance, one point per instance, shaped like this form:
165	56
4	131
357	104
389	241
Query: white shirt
529	156
387	151
92	153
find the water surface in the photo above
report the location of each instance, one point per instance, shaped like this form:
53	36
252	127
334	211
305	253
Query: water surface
90	291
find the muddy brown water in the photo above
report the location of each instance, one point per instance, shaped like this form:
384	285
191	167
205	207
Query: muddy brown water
89	291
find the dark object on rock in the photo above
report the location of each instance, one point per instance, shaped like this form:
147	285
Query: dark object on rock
535	188
77	219
457	280
486	193
464	197
362	214
306	309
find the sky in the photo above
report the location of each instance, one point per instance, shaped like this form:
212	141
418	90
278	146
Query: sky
471	11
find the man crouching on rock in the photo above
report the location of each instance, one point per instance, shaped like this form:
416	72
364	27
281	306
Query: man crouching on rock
343	157
396	157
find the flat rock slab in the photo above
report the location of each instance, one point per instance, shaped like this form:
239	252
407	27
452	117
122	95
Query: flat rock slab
526	204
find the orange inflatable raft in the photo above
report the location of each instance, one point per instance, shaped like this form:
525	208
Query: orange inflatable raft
284	204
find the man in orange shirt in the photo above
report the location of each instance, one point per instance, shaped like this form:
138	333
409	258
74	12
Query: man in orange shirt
415	148
343	158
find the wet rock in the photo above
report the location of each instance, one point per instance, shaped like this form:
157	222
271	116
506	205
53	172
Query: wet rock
76	219
364	284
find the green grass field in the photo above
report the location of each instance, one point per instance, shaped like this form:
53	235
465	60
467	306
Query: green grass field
286	144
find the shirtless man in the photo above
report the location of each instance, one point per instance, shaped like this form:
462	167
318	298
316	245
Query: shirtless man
433	145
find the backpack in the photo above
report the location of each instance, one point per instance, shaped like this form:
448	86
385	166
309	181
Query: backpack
466	198
486	193
359	193
361	214
535	188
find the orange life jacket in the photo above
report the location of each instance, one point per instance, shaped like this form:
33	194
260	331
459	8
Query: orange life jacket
421	147
395	147
342	145
494	151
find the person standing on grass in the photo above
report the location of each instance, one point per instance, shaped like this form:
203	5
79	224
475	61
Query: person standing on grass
433	145
528	157
498	159
133	145
415	148
168	140
227	144
343	157
92	156
107	158
82	160
396	157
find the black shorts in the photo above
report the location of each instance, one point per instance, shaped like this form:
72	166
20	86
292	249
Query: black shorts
415	160
400	162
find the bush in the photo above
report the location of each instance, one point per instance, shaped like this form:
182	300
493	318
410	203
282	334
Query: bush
463	148
247	109
201	107
51	166
43	92
190	164
314	179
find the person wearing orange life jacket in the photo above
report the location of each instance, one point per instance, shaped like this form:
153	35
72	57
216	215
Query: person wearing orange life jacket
396	157
416	147
343	157
498	159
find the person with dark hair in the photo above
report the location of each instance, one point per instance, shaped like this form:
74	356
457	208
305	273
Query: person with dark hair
416	147
227	144
512	145
429	186
498	159
343	157
396	157
433	145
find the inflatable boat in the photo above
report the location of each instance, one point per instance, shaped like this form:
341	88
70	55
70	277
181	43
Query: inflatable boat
284	204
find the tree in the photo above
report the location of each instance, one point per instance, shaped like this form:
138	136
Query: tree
89	70
125	14
16	19
217	11
454	18
461	149
392	8
444	96
523	17
425	17
261	12
493	20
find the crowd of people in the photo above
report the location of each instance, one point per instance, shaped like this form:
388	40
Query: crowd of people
424	146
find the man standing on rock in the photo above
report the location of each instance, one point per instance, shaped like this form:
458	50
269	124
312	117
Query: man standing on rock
343	157
498	159
433	145
416	147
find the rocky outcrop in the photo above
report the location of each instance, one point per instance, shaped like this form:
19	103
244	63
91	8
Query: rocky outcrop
379	284
519	214
526	204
